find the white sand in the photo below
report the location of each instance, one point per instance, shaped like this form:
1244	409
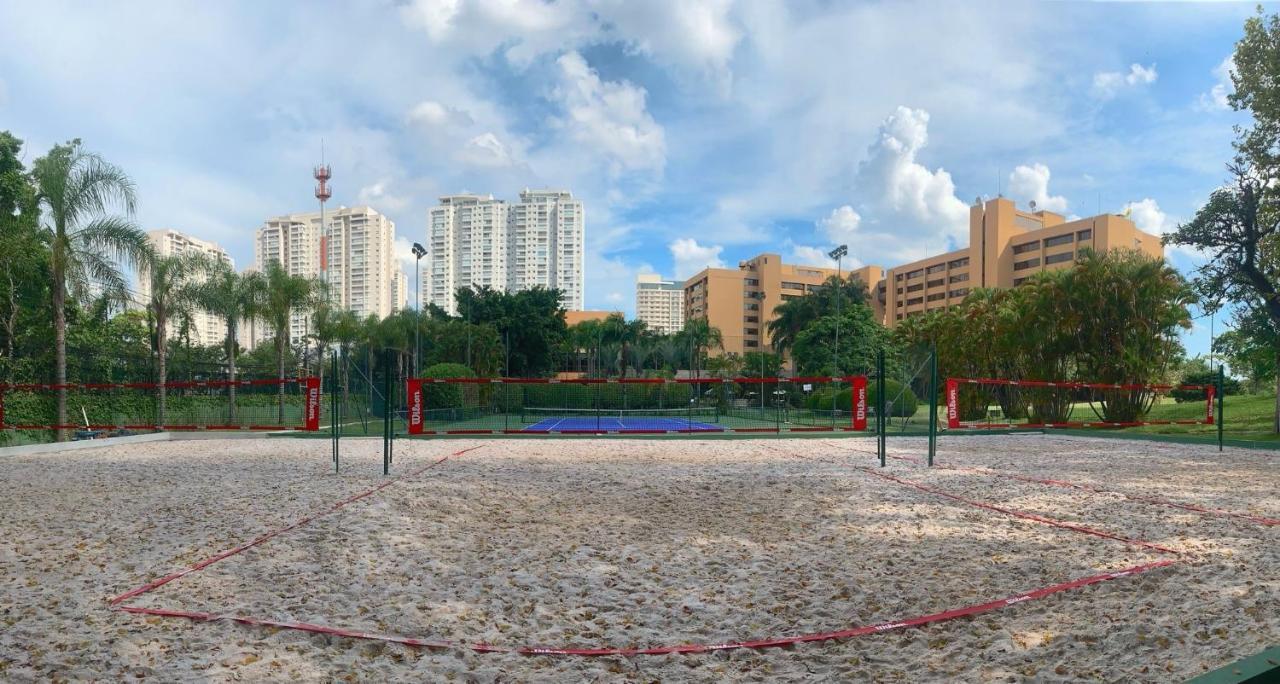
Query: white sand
633	543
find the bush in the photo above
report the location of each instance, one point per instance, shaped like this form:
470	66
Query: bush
904	400
1230	385
442	395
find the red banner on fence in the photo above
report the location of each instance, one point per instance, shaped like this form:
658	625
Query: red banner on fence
1208	416
953	403
312	386
860	402
413	396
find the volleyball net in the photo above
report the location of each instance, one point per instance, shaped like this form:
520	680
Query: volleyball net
988	403
114	409
634	405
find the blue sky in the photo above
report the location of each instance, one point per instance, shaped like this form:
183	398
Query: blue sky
696	133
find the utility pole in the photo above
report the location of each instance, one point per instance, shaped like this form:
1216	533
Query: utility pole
838	254
418	252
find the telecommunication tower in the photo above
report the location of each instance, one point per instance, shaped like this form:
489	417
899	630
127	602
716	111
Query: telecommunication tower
322	175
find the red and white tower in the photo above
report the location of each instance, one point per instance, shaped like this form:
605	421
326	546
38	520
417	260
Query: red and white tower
322	175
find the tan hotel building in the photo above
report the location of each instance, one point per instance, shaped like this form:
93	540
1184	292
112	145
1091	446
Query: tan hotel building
1006	245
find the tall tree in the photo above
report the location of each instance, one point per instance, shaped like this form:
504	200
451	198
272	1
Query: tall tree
172	281
76	191
700	337
793	315
285	295
22	252
234	298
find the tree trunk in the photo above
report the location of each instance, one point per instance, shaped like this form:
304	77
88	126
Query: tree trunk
231	375
60	348
162	368
1275	423
11	321
280	377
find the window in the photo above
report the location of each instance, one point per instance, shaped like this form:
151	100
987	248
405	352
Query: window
936	297
1086	234
934	283
959	278
750	343
1029	263
750	319
958	263
898	277
787	297
915	274
899	303
752	282
1059	240
957	294
899	290
792	286
915	288
750	331
1058	258
936	268
914	300
751	307
1026	247
1018	281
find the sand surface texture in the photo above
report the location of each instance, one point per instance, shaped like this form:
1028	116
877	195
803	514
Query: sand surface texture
635	543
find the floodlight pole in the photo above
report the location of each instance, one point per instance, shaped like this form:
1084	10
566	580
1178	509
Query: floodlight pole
838	254
418	252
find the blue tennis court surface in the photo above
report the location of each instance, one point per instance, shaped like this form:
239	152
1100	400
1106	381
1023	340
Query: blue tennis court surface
614	424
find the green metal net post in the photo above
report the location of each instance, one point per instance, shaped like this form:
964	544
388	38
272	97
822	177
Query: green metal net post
933	404
882	423
1222	400
335	420
386	414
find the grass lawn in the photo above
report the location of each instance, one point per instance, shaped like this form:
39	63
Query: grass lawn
1247	417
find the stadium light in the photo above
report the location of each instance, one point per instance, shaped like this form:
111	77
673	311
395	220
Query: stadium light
418	252
838	254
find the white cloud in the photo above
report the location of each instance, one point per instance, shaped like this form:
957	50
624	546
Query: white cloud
377	196
1148	217
806	255
1031	183
608	117
430	113
1216	98
1108	84
691	257
841	226
910	197
487	151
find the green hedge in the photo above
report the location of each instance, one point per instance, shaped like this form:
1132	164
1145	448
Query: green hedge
448	396
905	401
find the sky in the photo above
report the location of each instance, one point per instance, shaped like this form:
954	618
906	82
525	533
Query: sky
696	134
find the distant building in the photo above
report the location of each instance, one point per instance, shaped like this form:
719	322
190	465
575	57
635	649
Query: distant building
1006	246
399	291
740	301
353	253
660	303
576	317
208	329
479	241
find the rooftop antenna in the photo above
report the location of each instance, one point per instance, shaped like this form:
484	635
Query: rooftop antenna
322	175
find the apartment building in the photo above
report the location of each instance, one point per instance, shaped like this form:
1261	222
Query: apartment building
353	253
208	329
476	240
545	234
740	301
399	291
660	303
1006	246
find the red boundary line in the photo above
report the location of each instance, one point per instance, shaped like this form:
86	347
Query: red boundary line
200	565
1261	520
965	611
918	621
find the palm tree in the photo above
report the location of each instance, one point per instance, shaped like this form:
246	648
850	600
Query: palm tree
285	295
346	332
233	298
701	337
171	281
323	330
76	190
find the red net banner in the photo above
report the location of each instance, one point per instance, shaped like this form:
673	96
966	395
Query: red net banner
993	403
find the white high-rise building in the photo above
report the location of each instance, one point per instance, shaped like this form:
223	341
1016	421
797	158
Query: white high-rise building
355	256
399	291
476	240
207	329
660	303
545	244
467	246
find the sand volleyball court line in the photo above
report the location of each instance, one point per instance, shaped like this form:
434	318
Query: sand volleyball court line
1195	508
682	648
156	584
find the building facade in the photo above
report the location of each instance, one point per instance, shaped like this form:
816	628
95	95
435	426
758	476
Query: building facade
399	291
1006	246
208	329
353	253
478	241
660	303
740	301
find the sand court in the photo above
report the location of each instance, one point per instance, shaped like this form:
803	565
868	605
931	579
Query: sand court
638	544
